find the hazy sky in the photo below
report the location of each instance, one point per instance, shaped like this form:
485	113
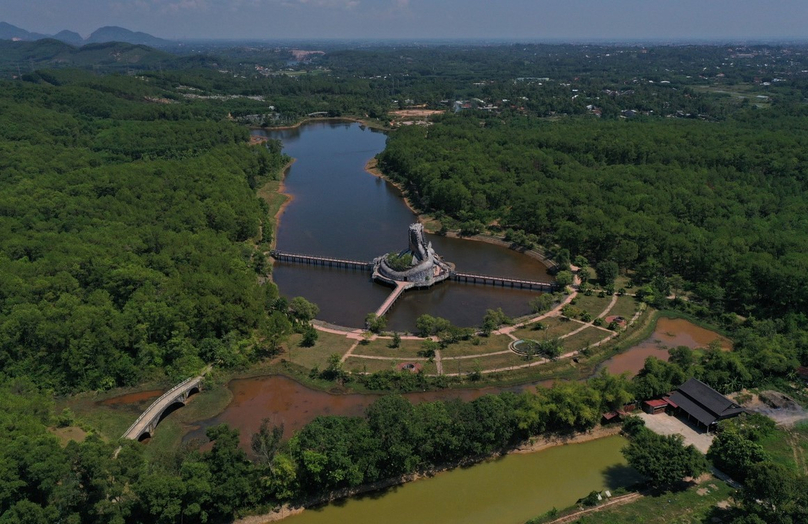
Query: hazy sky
488	19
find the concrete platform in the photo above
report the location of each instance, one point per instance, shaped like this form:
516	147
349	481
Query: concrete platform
665	424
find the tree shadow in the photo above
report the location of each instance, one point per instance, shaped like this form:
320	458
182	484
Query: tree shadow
717	514
169	410
621	476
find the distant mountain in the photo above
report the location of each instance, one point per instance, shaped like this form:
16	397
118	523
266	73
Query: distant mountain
102	35
24	57
120	34
12	32
69	37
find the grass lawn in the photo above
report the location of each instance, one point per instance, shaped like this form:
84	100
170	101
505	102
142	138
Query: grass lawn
317	355
585	338
369	365
622	281
209	402
692	505
381	348
275	200
108	421
592	304
69	433
554	327
625	307
490	344
468	365
789	447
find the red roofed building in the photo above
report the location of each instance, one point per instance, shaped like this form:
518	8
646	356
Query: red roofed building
654	407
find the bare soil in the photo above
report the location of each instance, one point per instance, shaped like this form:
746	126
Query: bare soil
410	114
777	406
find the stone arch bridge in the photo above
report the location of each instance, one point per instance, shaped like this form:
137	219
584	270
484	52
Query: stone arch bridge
148	420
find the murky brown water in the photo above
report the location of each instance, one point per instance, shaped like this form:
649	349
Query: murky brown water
669	333
133	398
286	401
508	490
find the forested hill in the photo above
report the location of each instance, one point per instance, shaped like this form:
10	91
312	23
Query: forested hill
126	227
724	205
22	57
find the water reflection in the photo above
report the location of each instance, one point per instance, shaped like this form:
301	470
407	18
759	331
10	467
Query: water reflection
669	333
339	210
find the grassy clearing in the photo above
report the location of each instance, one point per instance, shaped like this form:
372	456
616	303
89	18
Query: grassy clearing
165	440
622	281
625	307
108	421
789	447
740	92
467	365
490	344
69	433
692	505
270	193
211	401
317	355
369	365
208	403
553	327
585	338
381	348
593	303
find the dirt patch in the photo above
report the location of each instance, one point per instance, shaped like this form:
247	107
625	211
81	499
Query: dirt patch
415	114
777	400
301	54
777	406
69	433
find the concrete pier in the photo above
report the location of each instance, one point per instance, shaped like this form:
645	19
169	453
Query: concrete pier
400	288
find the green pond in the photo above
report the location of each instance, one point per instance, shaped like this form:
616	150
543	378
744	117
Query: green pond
508	490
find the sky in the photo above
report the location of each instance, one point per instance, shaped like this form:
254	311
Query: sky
525	20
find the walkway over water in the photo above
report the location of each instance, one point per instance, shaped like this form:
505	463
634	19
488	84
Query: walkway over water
401	286
319	261
503	281
147	422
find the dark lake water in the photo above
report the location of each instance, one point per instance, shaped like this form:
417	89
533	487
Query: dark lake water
340	210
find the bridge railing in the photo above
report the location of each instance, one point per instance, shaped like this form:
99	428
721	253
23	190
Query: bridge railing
299	257
162	397
458	275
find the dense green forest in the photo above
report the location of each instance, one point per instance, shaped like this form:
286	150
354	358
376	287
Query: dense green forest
131	244
724	205
41	482
125	235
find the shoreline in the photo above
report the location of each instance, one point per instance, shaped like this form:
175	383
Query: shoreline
366	123
288	198
371	166
533	446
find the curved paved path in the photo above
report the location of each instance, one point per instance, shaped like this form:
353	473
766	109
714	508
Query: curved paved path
359	334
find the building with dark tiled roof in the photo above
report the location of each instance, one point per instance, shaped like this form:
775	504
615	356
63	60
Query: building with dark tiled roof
702	404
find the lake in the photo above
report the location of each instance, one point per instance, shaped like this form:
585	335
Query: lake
507	490
340	210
